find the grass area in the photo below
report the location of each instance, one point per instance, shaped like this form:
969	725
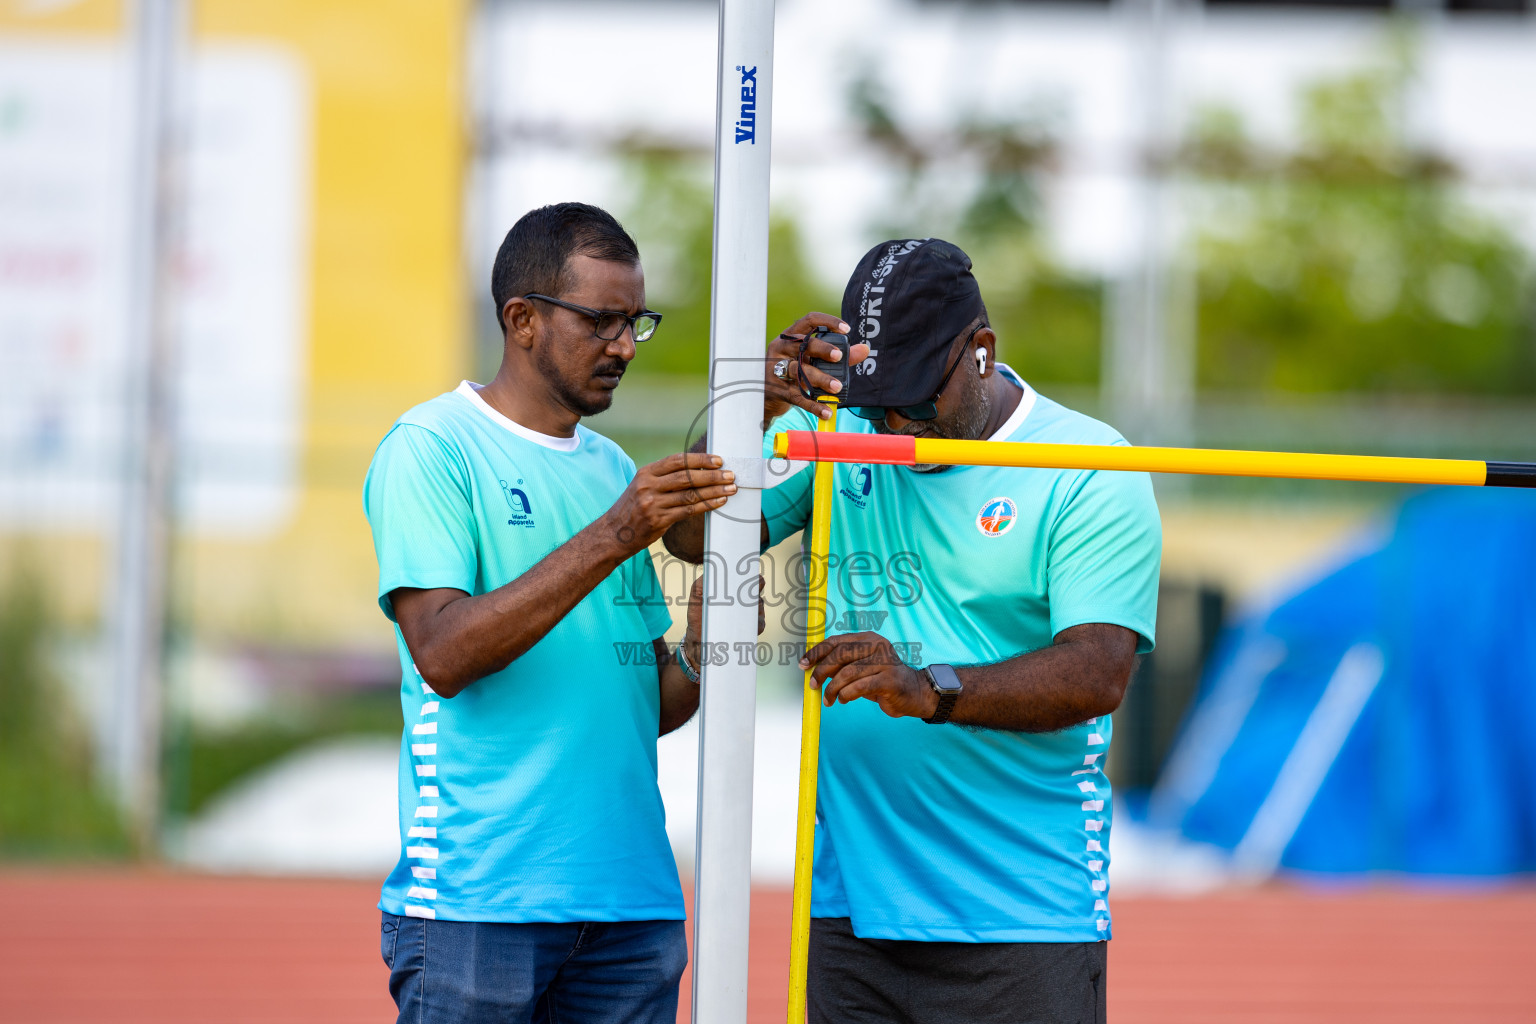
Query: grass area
51	806
54	812
202	763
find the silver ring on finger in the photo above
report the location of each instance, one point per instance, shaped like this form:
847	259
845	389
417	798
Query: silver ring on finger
781	369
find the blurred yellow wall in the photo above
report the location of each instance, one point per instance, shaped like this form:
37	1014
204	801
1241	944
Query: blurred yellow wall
60	17
387	316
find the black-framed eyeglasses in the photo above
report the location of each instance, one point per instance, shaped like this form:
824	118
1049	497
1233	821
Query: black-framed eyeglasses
609	323
922	410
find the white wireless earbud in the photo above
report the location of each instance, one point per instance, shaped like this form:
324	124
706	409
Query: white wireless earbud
981	360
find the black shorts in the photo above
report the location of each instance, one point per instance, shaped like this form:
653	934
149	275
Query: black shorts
865	981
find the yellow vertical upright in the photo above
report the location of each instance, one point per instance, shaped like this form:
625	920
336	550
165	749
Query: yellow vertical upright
810	726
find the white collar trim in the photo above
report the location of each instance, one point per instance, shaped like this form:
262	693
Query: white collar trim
471	391
1020	414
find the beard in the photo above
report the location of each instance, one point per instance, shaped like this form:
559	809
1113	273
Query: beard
966	423
568	394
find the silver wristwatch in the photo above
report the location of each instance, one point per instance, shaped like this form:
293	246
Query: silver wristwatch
691	673
946	684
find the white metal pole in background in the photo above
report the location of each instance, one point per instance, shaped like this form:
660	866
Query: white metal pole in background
1148	368
738	326
138	610
481	213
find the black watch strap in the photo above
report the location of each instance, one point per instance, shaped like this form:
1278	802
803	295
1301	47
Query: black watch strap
947	685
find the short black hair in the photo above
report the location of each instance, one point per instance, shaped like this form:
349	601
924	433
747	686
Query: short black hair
535	255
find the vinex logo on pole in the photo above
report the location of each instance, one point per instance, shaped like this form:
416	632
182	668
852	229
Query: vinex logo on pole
746	127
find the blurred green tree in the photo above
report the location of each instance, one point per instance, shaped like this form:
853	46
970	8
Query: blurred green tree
50	806
1049	320
670	213
1354	262
978	184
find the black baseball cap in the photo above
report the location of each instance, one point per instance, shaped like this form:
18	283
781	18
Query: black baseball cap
907	300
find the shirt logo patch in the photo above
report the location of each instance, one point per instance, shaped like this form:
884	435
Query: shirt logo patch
521	510
996	517
859	487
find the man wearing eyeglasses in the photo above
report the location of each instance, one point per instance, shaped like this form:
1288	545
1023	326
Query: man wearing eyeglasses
962	841
536	881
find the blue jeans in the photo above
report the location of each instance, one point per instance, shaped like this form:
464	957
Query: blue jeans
468	972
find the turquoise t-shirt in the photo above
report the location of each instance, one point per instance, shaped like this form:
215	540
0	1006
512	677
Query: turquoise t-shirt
530	796
947	833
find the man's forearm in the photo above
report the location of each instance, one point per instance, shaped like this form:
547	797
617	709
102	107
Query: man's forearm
1053	688
679	694
471	637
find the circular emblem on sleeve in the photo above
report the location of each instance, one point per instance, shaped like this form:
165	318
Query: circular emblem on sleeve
996	517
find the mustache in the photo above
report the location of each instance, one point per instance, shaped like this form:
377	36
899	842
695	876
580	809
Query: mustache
610	368
915	428
912	430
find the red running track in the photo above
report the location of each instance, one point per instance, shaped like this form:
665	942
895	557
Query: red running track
130	947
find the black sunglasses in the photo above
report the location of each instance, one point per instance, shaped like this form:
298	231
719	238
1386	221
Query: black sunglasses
922	410
609	323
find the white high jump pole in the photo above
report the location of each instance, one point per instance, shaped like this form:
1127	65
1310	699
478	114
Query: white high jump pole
738	325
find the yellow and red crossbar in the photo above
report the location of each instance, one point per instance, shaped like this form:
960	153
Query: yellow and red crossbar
900	450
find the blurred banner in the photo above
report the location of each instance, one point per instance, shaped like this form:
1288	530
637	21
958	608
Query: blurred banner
318	288
242	280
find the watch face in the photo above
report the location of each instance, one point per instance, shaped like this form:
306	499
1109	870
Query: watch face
944	679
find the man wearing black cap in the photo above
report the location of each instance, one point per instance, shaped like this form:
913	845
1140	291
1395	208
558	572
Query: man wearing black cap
963	817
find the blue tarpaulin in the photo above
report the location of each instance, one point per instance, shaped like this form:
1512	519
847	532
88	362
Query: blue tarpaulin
1384	717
